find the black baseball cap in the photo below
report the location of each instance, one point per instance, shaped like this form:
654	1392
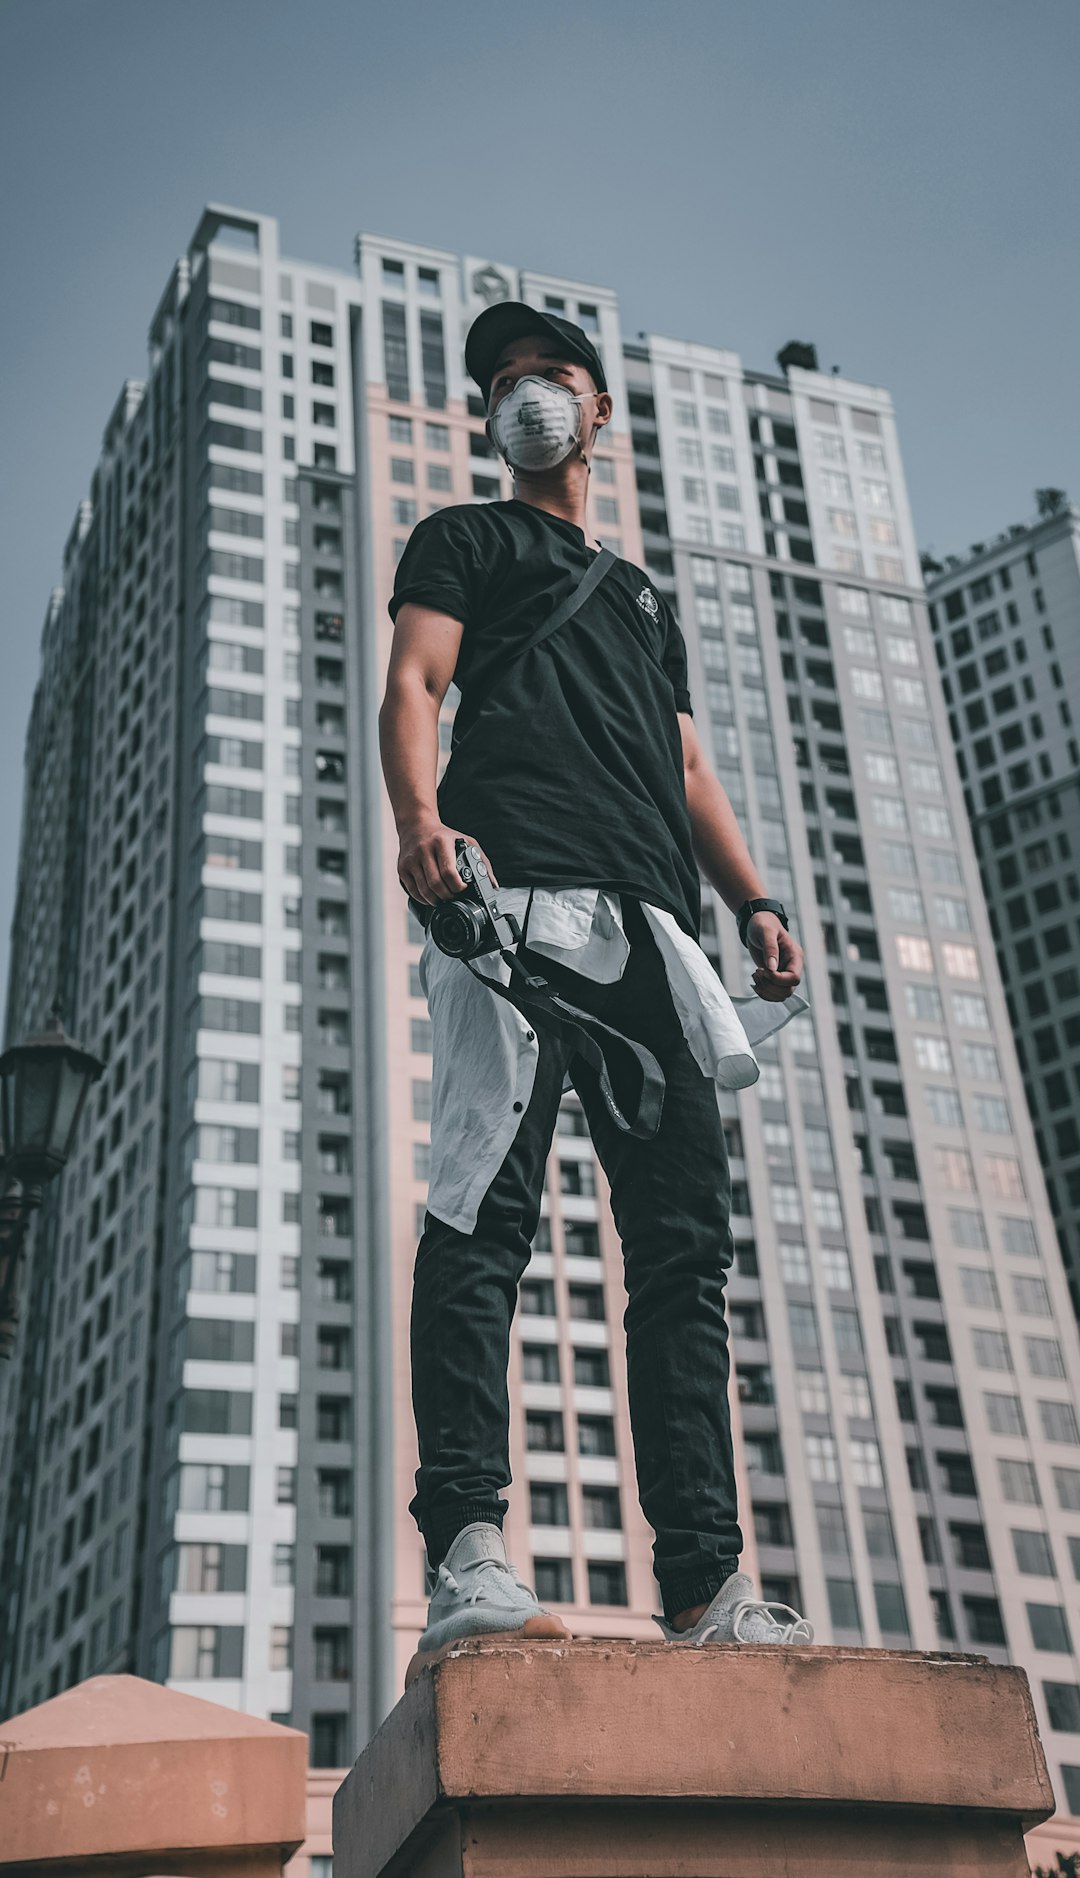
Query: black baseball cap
514	319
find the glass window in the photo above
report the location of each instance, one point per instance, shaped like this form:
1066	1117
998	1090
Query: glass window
1032	1296
812	1391
1059	1422
967	1228
843	1603
914	954
960	961
821	1463
1049	1629
865	1463
991	1349
1062	1705
970	1010
867	684
1019	1484
932	1053
981	1062
1033	1553
1019	1237
554	1580
786	1204
794	1263
1044	1356
1005	1414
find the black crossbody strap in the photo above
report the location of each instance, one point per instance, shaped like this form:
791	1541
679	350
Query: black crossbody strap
574	600
593	1043
590	580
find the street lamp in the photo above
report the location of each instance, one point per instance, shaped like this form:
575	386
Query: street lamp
44	1084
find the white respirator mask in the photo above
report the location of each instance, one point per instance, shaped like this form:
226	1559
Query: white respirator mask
537	424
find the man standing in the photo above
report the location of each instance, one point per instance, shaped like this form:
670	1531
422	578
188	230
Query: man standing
577	772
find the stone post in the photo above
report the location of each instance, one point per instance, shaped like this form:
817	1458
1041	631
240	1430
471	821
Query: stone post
121	1778
642	1760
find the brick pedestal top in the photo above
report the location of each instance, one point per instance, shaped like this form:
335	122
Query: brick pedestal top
731	1759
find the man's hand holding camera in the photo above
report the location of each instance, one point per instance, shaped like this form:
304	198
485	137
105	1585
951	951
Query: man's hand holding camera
427	862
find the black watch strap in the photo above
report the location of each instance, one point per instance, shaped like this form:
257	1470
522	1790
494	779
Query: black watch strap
749	907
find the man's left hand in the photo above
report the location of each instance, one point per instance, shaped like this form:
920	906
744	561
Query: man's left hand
777	956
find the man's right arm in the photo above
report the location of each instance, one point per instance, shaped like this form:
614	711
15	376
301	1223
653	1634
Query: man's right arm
423	658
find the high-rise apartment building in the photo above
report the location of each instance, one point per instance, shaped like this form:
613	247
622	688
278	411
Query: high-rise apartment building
1006	625
205	1437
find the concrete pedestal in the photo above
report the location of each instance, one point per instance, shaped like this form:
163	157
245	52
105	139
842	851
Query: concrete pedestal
120	1778
642	1760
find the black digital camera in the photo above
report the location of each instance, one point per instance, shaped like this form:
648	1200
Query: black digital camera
471	923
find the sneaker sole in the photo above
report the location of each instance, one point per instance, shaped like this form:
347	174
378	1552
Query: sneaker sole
546	1625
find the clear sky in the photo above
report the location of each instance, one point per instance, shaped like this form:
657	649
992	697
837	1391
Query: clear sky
895	182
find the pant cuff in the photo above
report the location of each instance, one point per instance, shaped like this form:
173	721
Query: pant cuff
440	1533
686	1589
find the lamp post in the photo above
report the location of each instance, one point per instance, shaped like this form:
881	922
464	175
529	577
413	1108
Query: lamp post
44	1083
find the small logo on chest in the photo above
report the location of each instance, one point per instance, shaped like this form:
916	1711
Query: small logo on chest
648	603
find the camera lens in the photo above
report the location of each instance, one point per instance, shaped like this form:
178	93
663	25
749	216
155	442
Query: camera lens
456	929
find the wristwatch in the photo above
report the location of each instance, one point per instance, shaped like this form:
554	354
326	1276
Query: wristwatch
749	907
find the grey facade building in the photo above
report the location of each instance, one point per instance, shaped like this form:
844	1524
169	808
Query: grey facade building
206	1448
186	799
1006	625
898	1306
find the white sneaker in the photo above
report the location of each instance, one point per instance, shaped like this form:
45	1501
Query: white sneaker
480	1594
737	1616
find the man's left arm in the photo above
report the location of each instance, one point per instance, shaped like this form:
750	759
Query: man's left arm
724	859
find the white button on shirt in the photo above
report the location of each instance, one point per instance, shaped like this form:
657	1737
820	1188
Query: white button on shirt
485	1052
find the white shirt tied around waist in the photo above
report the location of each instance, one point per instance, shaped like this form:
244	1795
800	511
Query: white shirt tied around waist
485	1052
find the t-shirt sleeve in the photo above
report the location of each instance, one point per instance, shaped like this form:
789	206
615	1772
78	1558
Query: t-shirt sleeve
673	659
440	568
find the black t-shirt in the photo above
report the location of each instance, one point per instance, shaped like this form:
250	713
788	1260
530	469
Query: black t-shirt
569	770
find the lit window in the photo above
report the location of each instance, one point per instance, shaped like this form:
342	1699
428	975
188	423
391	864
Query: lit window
882	769
933	1054
865	1463
794	1263
960	961
900	649
867	684
915	954
954	1169
827	1208
835	1267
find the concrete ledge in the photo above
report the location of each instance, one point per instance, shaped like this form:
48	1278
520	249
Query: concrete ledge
118	1770
641	1758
